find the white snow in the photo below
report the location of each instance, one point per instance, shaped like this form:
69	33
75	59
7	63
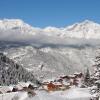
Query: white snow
18	30
71	94
4	89
64	60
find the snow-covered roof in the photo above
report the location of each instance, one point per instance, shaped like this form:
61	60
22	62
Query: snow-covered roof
98	81
4	89
20	85
56	83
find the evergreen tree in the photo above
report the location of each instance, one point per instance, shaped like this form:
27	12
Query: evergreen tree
87	81
96	78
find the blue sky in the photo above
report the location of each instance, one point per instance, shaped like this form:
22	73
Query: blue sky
59	13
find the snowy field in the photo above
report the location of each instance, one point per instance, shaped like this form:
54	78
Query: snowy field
71	94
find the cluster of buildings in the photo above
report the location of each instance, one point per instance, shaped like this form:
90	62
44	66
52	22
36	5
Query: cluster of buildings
64	82
22	87
61	83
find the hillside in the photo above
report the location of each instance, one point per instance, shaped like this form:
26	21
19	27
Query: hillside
12	73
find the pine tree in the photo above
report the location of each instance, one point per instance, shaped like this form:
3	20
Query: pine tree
96	78
87	81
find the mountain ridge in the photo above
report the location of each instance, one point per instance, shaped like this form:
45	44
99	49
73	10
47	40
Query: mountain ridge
86	29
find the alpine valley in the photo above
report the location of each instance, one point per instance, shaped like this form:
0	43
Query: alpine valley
50	52
49	63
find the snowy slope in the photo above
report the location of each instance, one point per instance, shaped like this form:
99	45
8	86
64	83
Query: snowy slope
12	73
86	29
71	94
46	62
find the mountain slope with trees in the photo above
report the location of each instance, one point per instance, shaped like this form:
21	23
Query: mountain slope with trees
12	73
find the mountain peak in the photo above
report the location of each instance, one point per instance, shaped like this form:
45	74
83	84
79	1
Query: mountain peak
88	21
86	29
10	23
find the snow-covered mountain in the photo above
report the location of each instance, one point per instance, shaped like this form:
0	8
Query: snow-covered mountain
15	30
50	51
86	29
